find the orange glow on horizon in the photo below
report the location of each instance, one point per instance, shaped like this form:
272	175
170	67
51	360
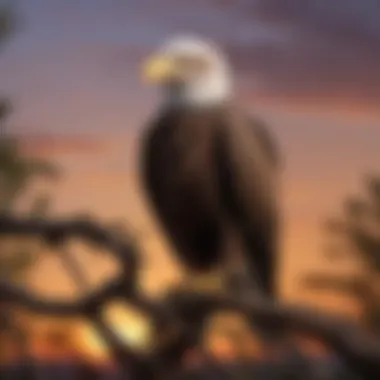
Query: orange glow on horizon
129	326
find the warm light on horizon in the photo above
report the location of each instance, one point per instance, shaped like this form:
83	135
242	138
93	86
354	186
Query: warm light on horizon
130	327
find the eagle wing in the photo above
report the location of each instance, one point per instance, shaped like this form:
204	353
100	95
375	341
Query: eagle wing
248	163
178	170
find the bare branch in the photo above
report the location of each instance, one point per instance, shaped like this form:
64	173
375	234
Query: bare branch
359	350
352	286
14	295
182	313
58	231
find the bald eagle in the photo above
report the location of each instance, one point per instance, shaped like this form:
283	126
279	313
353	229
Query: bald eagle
209	169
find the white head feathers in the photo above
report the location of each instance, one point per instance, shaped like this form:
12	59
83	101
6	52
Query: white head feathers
200	72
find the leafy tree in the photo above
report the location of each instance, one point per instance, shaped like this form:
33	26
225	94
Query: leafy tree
359	230
7	25
17	173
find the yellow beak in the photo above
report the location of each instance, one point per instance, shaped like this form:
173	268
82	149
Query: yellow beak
157	69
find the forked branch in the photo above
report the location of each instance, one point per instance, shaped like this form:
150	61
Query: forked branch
183	312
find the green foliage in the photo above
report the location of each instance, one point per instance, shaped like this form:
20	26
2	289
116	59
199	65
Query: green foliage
359	229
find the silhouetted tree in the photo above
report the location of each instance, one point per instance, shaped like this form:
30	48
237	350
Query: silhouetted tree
359	230
7	20
17	173
7	23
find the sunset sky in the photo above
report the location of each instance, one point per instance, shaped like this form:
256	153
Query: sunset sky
310	68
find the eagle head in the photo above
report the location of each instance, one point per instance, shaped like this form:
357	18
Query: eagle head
190	71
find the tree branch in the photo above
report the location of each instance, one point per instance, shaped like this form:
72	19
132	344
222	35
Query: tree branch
182	312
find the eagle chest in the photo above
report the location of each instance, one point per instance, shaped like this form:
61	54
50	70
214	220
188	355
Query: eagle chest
183	159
